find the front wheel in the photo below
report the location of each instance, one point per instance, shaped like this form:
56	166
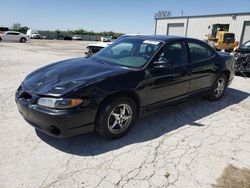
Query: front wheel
219	88
116	117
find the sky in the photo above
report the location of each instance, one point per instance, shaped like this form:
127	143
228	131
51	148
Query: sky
125	16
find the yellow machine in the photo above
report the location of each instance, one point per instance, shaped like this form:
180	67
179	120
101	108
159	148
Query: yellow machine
220	37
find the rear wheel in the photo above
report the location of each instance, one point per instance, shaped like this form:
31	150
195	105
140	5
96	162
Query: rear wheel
23	40
0	39
116	117
219	88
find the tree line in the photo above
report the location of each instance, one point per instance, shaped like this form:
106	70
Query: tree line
55	34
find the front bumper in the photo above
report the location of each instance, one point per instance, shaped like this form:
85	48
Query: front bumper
57	123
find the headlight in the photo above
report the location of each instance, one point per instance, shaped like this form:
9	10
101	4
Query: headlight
59	103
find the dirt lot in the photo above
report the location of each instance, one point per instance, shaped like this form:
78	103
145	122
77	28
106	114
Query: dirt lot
193	144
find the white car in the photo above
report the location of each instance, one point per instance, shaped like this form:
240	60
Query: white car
77	37
13	36
106	39
96	47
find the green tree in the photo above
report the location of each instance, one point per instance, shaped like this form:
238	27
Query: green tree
16	26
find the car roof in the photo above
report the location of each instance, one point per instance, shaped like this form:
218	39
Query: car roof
12	32
165	38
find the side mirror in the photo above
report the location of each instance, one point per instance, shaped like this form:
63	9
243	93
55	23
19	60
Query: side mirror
163	65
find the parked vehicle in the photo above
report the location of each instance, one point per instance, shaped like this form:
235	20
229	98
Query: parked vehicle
242	56
13	36
96	47
132	77
106	39
67	38
77	37
33	34
3	29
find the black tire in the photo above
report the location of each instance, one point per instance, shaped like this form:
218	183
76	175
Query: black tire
218	90
109	124
22	40
0	39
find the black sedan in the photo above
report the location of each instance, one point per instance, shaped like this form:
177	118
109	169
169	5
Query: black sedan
242	56
134	76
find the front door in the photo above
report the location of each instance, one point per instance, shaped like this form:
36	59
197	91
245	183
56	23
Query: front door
171	82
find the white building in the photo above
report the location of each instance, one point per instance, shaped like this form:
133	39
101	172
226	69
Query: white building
197	26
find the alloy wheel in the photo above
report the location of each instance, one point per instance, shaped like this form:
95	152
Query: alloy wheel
219	87
120	118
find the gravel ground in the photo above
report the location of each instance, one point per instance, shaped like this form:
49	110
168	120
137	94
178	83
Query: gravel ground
193	144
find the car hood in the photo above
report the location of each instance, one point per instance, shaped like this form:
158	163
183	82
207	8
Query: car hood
63	77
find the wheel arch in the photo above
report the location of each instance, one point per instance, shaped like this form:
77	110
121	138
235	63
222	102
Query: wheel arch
130	94
226	73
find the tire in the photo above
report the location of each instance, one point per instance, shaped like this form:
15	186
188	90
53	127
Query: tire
219	88
0	39
111	121
23	40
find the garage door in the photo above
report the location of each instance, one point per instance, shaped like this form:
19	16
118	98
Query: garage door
246	32
176	29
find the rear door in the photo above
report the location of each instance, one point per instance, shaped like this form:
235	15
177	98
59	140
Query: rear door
12	36
202	62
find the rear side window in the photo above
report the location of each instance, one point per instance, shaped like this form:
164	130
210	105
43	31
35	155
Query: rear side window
10	33
199	52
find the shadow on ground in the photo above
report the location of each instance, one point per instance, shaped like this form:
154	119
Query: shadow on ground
151	127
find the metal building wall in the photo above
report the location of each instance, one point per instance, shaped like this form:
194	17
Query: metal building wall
162	25
197	27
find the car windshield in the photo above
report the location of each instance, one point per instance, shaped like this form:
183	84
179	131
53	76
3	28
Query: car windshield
246	45
129	52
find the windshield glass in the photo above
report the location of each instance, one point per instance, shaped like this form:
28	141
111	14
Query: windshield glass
246	45
129	52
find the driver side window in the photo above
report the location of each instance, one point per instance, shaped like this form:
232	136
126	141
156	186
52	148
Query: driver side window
174	53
